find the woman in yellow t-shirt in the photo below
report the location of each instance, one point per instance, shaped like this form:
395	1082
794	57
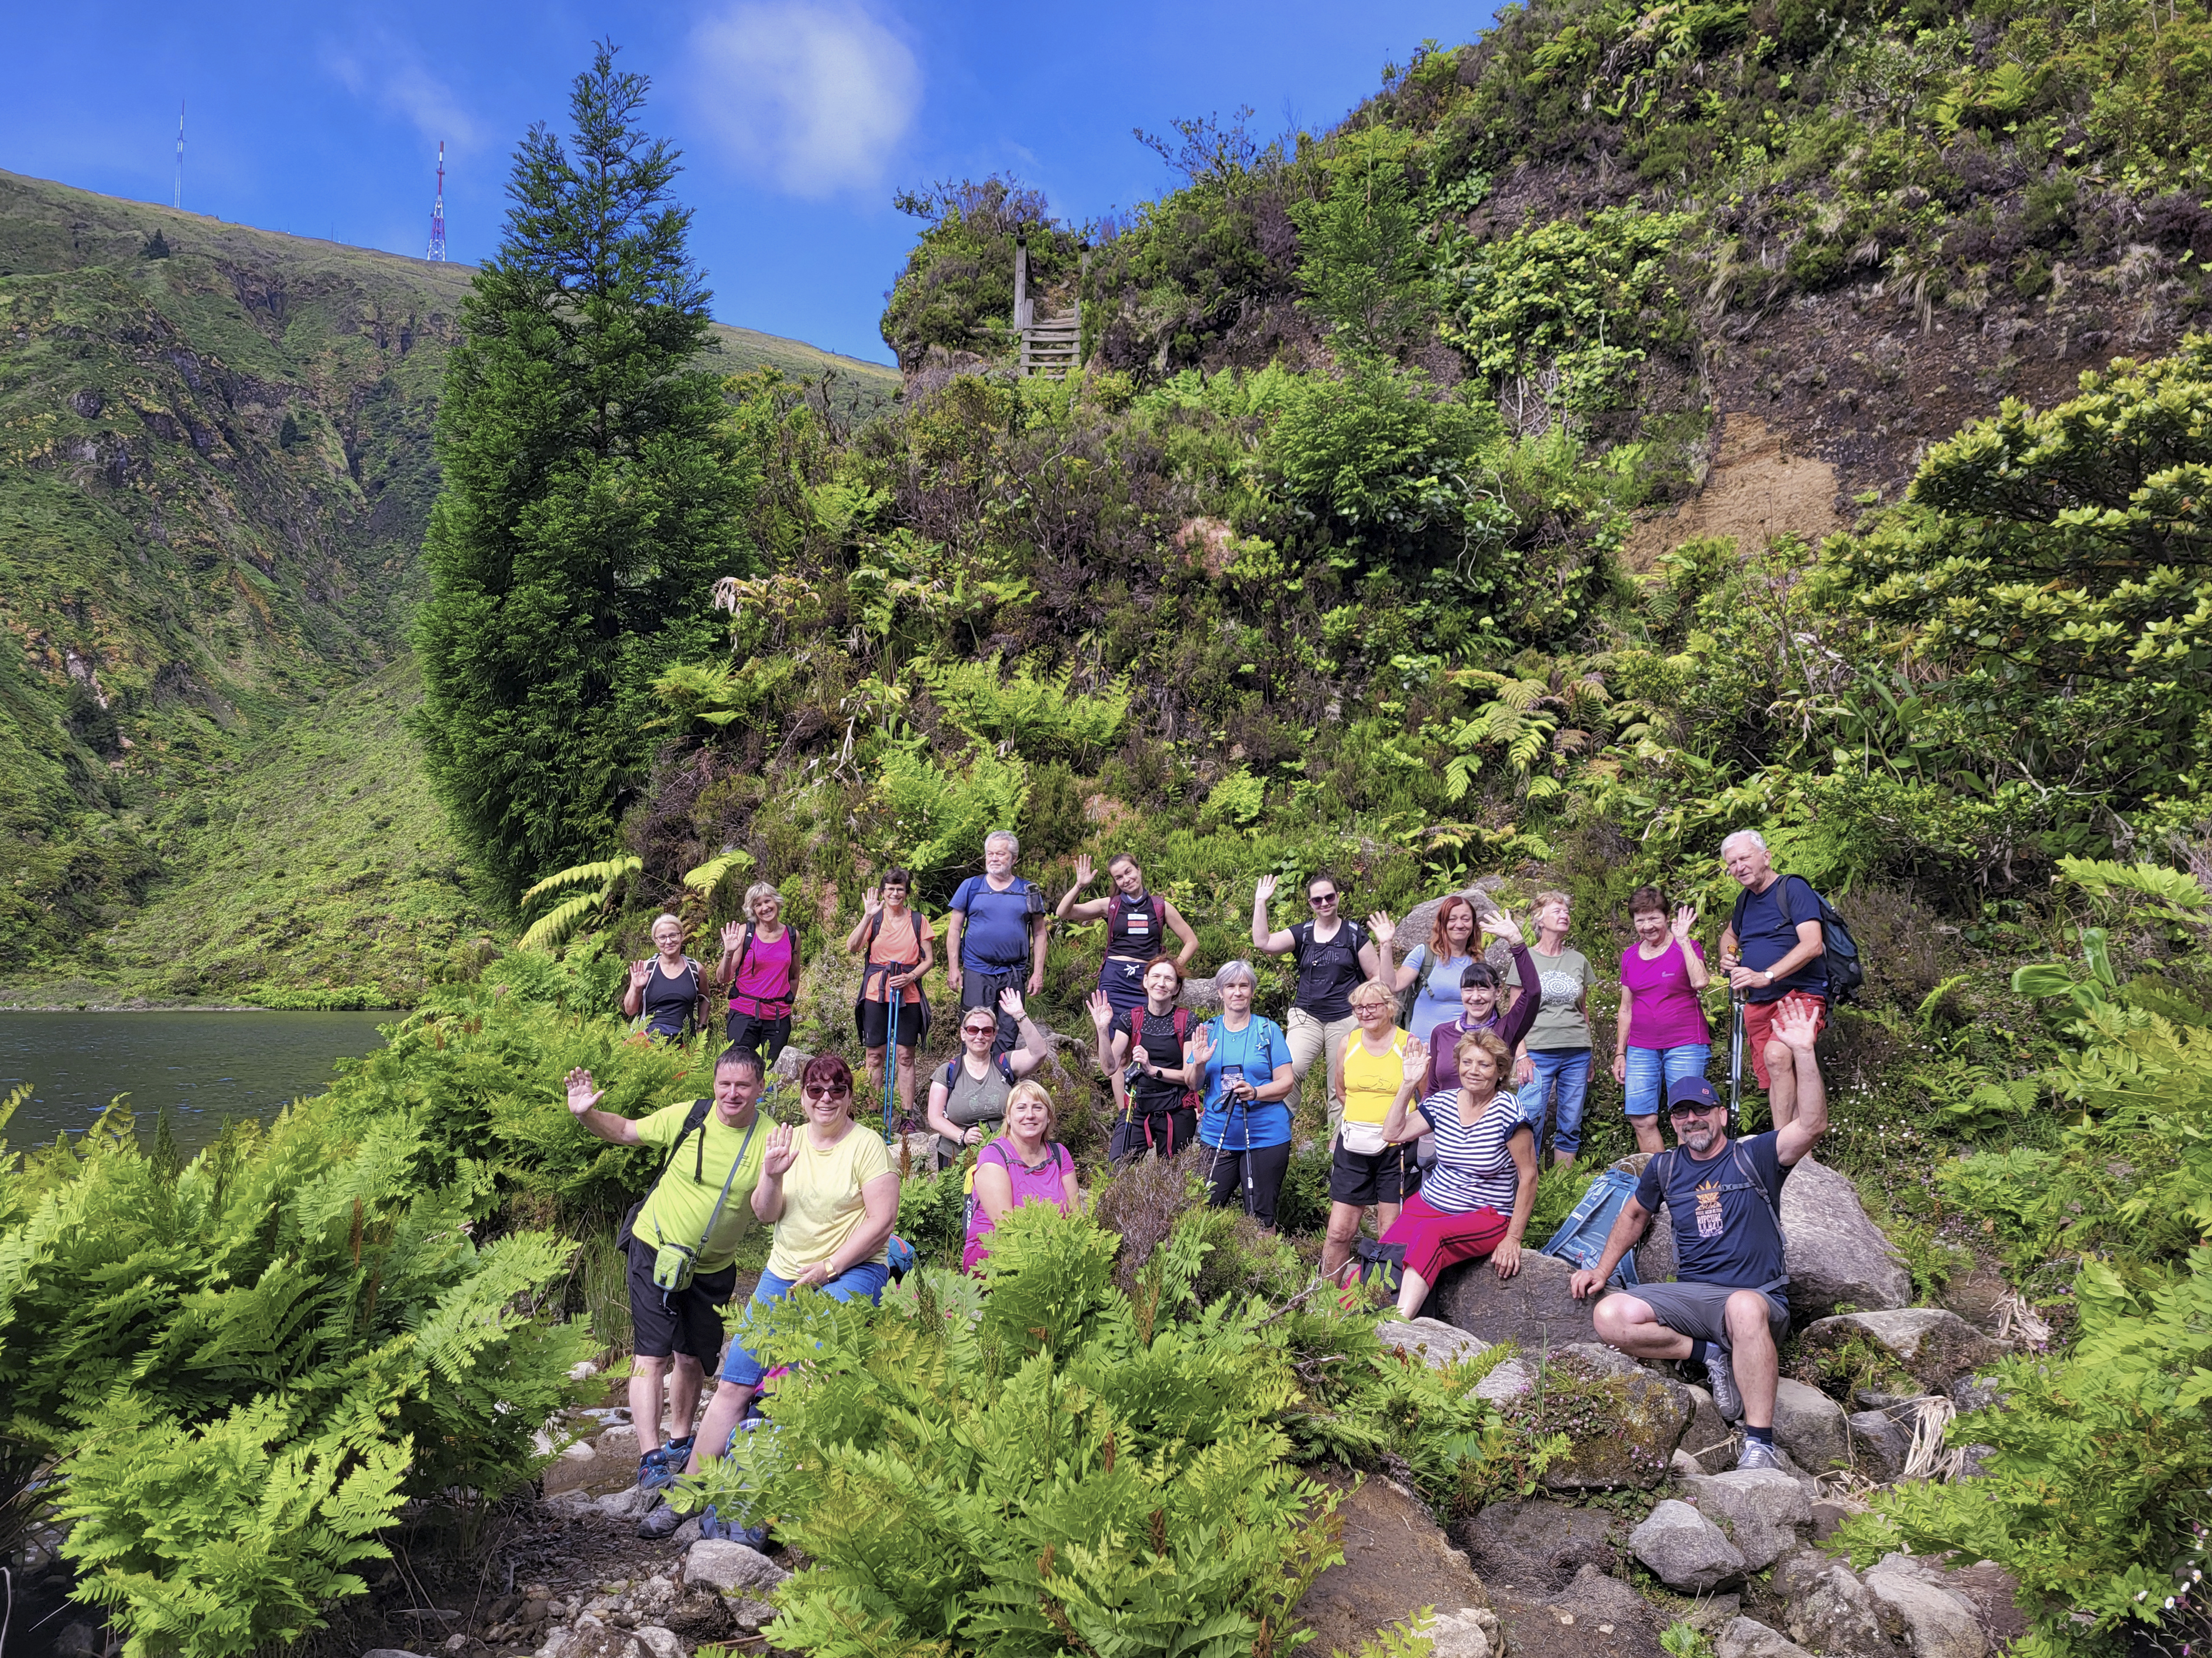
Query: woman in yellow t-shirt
1368	1170
829	1191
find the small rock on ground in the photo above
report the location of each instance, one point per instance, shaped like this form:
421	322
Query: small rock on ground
1760	1509
1934	1622
1809	1425
1429	1339
730	1566
1463	1632
1685	1550
1745	1637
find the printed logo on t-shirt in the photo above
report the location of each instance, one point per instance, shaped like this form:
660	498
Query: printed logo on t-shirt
1140	924
1711	1222
1560	991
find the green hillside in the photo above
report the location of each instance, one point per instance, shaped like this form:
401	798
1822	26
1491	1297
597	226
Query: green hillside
216	468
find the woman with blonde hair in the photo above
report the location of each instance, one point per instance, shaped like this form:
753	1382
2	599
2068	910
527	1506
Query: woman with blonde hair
1369	1171
1476	1199
760	970
667	989
1025	1164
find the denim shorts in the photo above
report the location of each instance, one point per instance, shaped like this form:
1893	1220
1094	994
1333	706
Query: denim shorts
1650	1069
868	1278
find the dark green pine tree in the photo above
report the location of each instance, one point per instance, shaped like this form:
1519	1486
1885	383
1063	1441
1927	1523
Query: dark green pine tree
590	497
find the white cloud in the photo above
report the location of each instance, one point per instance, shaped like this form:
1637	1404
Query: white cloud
392	75
816	97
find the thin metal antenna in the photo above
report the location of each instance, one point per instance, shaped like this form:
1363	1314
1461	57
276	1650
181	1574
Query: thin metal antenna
180	203
438	212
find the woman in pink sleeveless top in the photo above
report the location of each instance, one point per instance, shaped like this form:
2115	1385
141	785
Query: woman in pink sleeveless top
1025	1164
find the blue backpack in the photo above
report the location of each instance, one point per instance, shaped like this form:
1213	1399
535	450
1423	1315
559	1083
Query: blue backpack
1581	1242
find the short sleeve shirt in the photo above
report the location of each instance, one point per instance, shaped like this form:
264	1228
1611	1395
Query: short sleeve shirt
1562	980
995	936
1435	994
1766	931
821	1204
1724	1232
677	1208
1256	1051
899	945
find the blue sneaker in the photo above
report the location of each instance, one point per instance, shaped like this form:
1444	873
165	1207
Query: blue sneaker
711	1524
659	1470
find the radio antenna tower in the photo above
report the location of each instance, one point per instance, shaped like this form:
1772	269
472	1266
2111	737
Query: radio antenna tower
438	211
180	203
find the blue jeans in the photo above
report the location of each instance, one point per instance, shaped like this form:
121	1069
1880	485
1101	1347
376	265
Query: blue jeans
1568	1069
868	1278
1650	1069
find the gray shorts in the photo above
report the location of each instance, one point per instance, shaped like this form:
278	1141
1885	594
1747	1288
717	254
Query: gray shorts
1700	1310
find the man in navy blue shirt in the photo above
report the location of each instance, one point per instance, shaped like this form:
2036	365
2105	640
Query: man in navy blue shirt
995	928
1773	947
1726	1309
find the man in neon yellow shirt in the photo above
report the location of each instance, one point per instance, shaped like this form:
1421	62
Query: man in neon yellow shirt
702	1202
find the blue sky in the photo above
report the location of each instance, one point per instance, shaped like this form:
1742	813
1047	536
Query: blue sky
798	119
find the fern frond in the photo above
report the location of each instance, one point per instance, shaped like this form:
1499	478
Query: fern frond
709	875
606	873
553	928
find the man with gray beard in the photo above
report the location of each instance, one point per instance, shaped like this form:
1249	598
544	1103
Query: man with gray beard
1726	1309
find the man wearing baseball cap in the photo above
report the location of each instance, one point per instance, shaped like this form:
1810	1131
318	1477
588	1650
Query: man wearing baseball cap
1726	1307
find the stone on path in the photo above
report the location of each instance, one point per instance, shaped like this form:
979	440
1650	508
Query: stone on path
1835	1254
1468	1632
1932	1347
1597	1599
389	1652
1810	1426
1629	1439
1432	1341
1760	1510
1933	1622
1711	1441
660	1643
1883	1438
1826	1607
1745	1637
730	1566
1538	1545
1686	1550
1532	1308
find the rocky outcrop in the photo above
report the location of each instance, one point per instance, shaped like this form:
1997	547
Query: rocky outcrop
1917	1609
1826	1608
1431	1340
1835	1254
1684	1550
732	1568
1538	1545
1933	1347
1746	1637
1531	1309
1626	1420
1760	1509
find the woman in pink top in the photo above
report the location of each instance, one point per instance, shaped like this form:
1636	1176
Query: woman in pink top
760	967
1663	1034
1022	1165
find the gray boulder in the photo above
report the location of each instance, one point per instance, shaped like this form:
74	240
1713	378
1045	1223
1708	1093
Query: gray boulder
1686	1550
1595	1599
630	1503
1761	1510
1711	1441
1883	1438
1810	1426
1625	1420
1537	1543
1746	1637
1463	1632
731	1566
1531	1309
1835	1254
1826	1608
1929	1620
1435	1343
1414	926
1932	1347
1507	1382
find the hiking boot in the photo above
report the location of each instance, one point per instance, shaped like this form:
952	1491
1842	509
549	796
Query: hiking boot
658	1470
661	1522
1757	1453
1719	1376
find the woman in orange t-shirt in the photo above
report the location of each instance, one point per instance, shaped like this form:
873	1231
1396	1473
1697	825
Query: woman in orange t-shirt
897	946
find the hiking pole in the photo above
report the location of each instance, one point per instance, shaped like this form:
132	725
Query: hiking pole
892	998
1736	1061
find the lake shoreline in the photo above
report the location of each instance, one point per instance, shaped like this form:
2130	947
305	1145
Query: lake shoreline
144	1004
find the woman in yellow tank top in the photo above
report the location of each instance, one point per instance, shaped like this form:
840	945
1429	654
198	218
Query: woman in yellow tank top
1368	1171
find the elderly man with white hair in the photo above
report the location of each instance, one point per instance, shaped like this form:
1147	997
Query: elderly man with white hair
995	927
1773	947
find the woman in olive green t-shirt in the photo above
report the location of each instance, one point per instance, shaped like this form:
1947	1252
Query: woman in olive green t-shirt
1555	1056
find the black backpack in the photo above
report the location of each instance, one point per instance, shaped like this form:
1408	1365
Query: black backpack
1839	950
693	1123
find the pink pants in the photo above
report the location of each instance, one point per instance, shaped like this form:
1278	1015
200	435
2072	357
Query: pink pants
1435	1238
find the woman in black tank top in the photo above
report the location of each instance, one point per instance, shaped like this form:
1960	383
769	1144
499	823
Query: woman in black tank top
664	988
1136	923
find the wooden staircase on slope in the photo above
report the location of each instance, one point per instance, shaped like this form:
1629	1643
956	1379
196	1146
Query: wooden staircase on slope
1051	346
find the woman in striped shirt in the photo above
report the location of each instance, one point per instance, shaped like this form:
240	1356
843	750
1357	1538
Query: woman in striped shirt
1475	1200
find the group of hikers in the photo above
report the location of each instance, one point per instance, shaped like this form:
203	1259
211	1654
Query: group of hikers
1435	1124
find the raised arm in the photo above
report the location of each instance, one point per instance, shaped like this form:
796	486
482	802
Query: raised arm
1692	963
733	940
1090	909
1397	1122
1101	1017
1035	1047
583	1100
1266	943
1798	1023
1513	1025
1374	955
872	905
776	1159
633	997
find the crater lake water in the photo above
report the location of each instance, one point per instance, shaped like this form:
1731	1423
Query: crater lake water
203	1066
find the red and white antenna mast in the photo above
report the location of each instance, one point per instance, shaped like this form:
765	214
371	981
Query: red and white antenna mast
438	211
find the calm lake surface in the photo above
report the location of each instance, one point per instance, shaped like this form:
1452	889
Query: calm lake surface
203	1066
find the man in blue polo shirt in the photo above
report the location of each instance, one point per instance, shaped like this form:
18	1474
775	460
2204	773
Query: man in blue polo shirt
1773	946
995	928
1726	1307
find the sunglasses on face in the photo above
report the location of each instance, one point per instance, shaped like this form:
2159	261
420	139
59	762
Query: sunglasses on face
1320	898
1690	1110
979	1029
827	1093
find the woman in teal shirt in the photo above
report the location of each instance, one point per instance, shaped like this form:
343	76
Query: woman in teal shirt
1240	1063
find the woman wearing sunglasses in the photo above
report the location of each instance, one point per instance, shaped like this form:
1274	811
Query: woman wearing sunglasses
829	1189
968	1096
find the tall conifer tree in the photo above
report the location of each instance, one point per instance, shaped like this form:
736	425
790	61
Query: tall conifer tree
589	497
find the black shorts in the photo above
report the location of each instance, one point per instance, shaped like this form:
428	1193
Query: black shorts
1370	1177
684	1322
875	1023
1163	1134
766	1037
